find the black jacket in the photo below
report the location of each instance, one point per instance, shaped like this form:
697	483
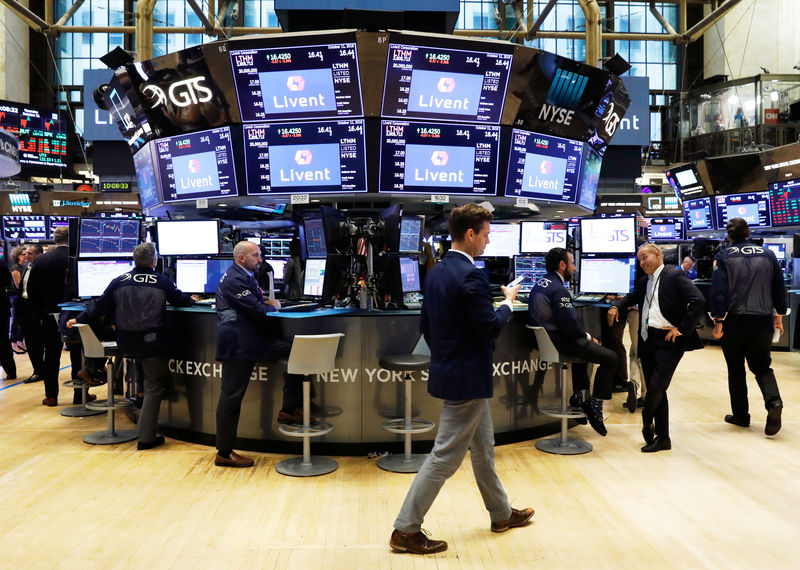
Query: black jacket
680	302
460	325
47	281
747	280
550	306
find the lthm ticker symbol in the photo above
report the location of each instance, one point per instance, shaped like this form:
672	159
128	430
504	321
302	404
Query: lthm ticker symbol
295	83
439	158
303	157
446	85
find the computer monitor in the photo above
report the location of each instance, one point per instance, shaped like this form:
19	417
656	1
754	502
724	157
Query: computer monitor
314	278
54	222
541	237
784	201
699	214
275	247
200	275
608	235
503	241
277	264
666	229
23	228
607	275
409	274
410	233
531	267
752	207
685	180
779	249
108	237
314	233
188	237
94	275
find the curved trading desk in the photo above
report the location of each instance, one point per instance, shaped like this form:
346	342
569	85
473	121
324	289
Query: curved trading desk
359	395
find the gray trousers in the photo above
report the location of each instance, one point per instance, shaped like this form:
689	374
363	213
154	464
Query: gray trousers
463	425
155	369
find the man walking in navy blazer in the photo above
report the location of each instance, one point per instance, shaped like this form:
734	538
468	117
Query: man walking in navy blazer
460	325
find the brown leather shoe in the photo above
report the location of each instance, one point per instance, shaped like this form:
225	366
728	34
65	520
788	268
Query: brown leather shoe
235	460
416	543
50	402
87	378
295	417
517	518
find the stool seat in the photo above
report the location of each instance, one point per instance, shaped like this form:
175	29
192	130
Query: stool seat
403	362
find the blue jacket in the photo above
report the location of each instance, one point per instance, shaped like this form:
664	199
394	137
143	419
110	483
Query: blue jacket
747	280
550	306
460	325
138	300
244	332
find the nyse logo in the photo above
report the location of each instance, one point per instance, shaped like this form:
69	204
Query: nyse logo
557	115
303	157
295	83
566	89
446	85
439	158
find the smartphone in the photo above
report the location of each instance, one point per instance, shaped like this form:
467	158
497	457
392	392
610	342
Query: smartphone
516	281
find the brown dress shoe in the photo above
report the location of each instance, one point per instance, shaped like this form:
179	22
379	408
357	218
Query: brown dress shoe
416	543
87	378
235	460
50	402
517	518
295	417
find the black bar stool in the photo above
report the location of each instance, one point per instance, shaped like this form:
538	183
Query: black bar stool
311	354
419	359
93	348
561	445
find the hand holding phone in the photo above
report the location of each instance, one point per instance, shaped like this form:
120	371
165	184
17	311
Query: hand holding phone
516	281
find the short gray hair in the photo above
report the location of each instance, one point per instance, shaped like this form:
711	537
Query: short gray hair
653	247
61	235
144	255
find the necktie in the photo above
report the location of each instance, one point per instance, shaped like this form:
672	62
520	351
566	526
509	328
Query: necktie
648	295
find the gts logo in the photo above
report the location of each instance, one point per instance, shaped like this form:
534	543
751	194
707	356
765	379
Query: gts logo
244	293
147	278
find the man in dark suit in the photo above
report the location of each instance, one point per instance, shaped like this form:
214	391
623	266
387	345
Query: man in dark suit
460	325
27	316
550	306
46	290
6	355
243	338
670	307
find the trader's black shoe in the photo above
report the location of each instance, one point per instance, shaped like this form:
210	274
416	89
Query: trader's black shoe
576	403
773	420
32	378
649	433
630	403
150	444
741	422
593	408
661	443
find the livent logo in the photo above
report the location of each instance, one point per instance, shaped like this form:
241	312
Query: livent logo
439	158
295	83
446	85
545	167
303	157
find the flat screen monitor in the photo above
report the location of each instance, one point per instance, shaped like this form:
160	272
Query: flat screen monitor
196	165
543	167
277	264
541	237
314	278
480	263
666	229
779	249
314	230
108	237
752	207
410	233
200	275
438	158
784	201
608	235
607	275
503	241
531	267
42	134
685	180
319	80
187	237
409	274
437	83
146	177
285	158
276	247
23	228
94	275
590	178
54	222
699	214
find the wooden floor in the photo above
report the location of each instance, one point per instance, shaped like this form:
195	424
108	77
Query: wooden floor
724	497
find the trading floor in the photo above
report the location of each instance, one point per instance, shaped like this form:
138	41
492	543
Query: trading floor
723	497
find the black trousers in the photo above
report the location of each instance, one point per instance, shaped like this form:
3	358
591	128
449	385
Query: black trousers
32	333
611	337
6	355
591	352
749	338
52	345
659	361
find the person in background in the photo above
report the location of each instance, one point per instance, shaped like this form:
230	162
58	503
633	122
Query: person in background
293	273
426	258
460	325
670	308
748	299
17	257
27	316
6	355
138	300
550	306
688	268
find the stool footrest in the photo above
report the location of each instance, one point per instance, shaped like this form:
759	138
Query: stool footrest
106	405
559	412
296	430
77	384
415	425
572	446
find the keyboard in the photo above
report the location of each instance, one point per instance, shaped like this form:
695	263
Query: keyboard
586	298
206	301
298	306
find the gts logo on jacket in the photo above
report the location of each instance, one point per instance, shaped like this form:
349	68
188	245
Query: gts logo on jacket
149	278
746	250
244	293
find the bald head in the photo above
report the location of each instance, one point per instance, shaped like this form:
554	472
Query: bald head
247	254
